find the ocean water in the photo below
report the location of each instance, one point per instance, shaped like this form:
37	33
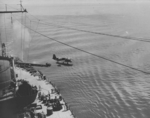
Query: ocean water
94	87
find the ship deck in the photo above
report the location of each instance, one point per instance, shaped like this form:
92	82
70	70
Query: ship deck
45	88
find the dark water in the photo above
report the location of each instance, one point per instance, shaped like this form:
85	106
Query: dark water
94	87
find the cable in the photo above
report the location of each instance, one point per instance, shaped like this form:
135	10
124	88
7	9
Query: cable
5	31
4	70
29	47
21	34
124	37
91	53
23	22
34	16
26	17
5	27
10	6
24	25
98	33
6	81
132	38
37	25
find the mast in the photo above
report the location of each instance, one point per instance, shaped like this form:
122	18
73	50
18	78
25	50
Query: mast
22	10
8	76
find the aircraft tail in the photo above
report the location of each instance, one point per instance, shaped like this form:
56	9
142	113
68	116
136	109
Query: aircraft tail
54	57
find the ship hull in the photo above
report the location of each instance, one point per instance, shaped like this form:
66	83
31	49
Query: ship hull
10	108
5	74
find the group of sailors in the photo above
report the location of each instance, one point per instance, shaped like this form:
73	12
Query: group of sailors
52	104
55	103
30	113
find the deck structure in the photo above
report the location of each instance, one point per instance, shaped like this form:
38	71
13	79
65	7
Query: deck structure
45	88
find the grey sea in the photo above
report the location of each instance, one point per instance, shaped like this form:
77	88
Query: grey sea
93	87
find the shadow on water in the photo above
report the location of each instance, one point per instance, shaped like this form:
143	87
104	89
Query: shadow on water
64	64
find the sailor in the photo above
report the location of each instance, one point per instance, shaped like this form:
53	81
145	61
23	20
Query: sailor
13	84
39	95
44	77
27	115
32	113
60	97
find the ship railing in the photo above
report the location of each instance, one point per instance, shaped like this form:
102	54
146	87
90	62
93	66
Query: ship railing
7	93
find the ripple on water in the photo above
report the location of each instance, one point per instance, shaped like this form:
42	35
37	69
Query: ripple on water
93	87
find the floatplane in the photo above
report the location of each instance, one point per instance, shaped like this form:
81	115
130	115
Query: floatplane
63	61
